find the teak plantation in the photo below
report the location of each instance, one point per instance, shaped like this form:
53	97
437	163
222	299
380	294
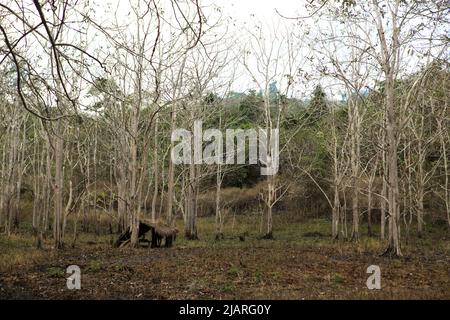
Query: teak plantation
323	149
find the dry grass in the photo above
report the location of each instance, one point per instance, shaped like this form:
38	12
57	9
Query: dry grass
18	250
233	198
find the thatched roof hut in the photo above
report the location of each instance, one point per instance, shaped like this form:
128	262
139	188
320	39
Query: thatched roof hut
145	225
160	228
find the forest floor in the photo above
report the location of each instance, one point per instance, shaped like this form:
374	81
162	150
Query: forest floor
300	263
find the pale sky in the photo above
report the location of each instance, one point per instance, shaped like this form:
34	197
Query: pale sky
237	15
263	9
238	18
247	14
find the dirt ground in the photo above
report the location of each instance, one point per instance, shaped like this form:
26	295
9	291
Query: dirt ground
261	269
302	262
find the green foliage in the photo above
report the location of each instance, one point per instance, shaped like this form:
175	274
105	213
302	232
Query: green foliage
249	111
318	107
94	266
55	272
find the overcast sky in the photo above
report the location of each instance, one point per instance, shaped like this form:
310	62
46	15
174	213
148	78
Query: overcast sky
238	17
263	9
246	14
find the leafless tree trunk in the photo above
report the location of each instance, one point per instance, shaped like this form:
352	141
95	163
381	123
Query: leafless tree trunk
58	185
155	169
354	122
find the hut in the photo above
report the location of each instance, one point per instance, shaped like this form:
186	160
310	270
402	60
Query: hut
159	232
